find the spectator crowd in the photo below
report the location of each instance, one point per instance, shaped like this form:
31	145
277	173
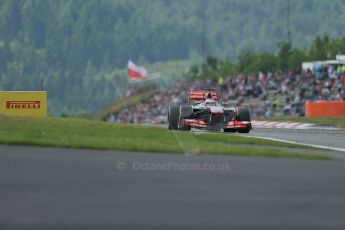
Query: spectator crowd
266	94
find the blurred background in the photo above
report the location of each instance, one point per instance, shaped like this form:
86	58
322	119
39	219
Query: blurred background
251	50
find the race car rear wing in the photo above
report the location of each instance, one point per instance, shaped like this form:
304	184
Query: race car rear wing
201	95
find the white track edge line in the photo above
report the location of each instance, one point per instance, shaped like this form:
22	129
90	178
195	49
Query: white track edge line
300	143
281	140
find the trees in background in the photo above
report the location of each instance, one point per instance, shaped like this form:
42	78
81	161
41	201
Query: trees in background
287	58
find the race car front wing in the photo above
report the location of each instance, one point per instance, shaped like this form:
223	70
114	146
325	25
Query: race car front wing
235	124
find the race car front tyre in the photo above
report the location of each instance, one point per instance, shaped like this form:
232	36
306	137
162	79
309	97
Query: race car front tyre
186	113
174	117
244	115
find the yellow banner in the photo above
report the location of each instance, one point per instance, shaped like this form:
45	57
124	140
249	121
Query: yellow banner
23	103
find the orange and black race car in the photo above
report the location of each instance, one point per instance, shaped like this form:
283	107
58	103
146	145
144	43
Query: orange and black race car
205	112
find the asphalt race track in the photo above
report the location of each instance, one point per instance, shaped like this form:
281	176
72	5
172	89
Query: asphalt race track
324	137
48	188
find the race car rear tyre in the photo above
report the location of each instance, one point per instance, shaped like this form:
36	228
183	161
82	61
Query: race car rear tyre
230	130
186	128
246	130
244	115
174	117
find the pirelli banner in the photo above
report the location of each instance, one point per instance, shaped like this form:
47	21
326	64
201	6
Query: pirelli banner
23	103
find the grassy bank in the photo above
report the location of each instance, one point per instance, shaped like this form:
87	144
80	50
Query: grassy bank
117	106
78	133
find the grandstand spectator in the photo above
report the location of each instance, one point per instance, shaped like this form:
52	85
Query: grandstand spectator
262	93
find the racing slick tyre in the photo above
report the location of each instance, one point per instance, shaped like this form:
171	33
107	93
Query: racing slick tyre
176	114
186	112
244	115
174	117
230	130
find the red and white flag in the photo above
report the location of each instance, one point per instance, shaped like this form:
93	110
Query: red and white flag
136	72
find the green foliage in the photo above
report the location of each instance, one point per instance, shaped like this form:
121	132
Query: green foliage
254	62
287	58
296	57
283	54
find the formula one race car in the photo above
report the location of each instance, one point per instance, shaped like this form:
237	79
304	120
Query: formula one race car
205	112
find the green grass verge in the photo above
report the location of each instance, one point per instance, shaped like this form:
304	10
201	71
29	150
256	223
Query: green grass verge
337	121
79	133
